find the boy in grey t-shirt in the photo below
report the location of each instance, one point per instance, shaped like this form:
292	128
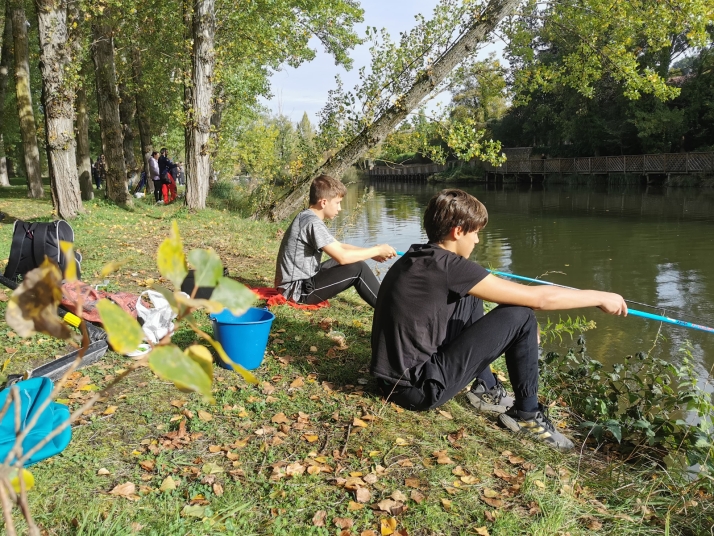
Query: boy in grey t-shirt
299	273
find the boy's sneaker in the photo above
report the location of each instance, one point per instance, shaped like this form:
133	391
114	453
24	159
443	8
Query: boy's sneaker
495	399
537	425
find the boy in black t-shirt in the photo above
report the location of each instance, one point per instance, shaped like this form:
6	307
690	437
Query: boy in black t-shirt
430	338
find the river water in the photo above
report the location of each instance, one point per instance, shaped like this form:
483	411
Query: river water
652	245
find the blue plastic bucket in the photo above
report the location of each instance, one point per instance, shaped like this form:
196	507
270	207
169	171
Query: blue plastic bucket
243	337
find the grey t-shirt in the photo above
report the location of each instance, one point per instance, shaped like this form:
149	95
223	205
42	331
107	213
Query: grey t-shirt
300	253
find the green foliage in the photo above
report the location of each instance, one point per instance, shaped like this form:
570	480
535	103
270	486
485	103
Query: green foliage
643	401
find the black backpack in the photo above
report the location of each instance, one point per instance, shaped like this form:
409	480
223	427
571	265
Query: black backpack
32	242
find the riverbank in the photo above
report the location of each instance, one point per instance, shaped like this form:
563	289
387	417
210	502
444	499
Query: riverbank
314	449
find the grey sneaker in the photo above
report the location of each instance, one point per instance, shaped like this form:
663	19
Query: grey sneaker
495	399
536	425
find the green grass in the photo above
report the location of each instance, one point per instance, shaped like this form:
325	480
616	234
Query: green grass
231	470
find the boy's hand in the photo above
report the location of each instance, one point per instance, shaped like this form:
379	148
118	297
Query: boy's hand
613	304
385	252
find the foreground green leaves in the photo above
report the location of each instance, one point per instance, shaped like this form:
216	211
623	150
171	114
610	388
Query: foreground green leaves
123	331
170	363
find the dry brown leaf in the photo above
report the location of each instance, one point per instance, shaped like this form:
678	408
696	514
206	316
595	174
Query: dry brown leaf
103	472
516	460
205	416
214	448
539	483
446	415
297	383
147	465
386	505
362	495
267	388
313	470
417	496
470	480
218	490
168	484
399	496
343	522
352	506
412	483
295	469
319	518
503	475
495	503
368	533
110	410
124	490
446	503
359	423
481	531
280	418
458	471
310	438
178	403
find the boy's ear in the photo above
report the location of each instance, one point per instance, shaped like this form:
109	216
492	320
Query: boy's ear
456	232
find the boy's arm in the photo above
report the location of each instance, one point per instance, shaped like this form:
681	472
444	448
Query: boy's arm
497	290
348	254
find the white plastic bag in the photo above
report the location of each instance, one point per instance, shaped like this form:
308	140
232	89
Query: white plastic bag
158	320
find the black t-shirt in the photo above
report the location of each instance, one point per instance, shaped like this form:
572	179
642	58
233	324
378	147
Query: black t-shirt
416	299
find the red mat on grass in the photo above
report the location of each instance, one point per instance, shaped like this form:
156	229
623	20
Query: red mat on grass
273	297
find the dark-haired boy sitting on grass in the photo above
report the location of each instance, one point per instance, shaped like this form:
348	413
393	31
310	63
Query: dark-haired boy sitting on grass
430	338
299	273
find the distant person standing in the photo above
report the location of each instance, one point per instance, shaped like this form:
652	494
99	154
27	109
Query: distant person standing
155	175
101	168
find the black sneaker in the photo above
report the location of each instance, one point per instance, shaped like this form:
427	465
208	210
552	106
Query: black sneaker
495	399
537	425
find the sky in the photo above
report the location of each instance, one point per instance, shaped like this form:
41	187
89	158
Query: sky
305	89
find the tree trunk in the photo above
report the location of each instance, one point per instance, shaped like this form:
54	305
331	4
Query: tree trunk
108	105
142	116
199	101
336	165
215	136
28	130
127	115
58	91
84	163
4	73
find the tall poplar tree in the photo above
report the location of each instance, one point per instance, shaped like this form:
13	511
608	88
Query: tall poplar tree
5	63
108	104
28	128
59	94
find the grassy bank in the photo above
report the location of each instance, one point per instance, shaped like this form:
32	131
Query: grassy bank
313	449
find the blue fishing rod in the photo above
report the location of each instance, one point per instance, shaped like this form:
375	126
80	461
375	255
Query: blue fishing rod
633	312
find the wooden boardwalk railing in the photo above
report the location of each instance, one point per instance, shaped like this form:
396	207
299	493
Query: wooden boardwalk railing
679	163
643	164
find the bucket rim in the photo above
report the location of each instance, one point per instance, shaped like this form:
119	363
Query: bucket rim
214	316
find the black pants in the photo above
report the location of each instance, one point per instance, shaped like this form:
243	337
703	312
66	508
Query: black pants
333	278
473	343
158	183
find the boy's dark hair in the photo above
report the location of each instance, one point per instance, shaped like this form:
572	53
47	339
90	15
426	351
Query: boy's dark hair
164	150
154	152
453	208
326	187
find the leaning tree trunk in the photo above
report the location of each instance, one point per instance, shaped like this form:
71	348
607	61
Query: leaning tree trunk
127	115
4	73
372	135
28	130
142	116
84	163
108	104
199	101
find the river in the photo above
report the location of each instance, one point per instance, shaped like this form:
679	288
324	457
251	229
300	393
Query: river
652	245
